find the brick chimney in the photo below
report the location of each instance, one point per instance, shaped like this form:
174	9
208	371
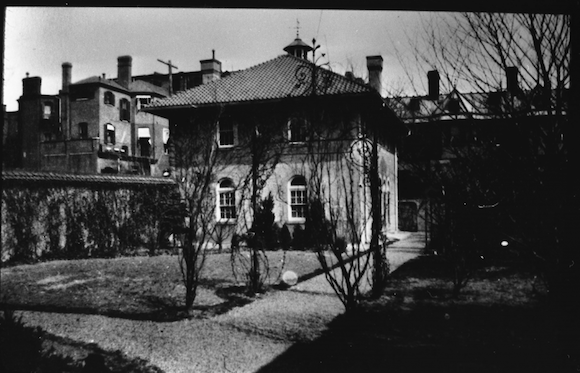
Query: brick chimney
31	86
375	68
433	81
66	76
210	69
511	73
65	99
124	70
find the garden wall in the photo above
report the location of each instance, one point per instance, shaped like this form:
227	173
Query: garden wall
59	216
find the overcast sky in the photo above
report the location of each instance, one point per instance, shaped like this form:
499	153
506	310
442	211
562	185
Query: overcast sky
38	40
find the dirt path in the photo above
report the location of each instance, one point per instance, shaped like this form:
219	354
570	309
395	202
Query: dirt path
241	340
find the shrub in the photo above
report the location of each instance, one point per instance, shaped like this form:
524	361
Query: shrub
299	240
284	237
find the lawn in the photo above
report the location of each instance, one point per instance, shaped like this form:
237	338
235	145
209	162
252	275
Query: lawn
136	287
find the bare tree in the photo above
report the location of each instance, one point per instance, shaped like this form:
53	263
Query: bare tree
262	137
340	213
197	160
517	70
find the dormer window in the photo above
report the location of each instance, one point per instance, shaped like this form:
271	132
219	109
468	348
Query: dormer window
109	98
124	109
297	130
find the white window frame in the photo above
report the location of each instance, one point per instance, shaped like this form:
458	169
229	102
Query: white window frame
293	197
142	100
234	134
226	189
47	110
109	127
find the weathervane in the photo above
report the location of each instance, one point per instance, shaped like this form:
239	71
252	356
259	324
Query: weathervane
297	29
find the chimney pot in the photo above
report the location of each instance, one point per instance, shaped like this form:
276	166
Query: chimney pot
512	79
66	76
124	70
375	67
31	86
433	79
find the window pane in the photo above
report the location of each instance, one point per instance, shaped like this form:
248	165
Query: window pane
227	138
227	205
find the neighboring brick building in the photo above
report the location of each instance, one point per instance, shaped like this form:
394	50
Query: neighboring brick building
92	126
277	97
441	126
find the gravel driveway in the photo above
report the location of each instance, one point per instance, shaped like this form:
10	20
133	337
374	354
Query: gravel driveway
241	340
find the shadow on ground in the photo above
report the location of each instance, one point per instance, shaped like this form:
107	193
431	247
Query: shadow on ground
405	332
470	339
160	309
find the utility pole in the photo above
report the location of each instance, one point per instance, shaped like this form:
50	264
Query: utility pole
170	66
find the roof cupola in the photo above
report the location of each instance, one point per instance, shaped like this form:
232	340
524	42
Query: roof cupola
298	48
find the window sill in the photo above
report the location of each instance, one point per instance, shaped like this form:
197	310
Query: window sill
226	146
296	221
226	221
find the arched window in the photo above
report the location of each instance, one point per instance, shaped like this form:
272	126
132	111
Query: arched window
297	130
297	196
226	200
124	109
109	98
109	134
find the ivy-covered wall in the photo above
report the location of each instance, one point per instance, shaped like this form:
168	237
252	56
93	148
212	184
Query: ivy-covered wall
84	217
